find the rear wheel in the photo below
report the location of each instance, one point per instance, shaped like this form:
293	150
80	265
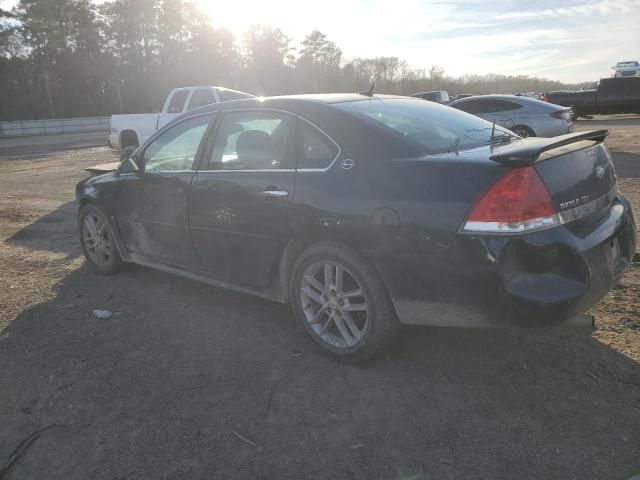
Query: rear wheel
341	302
523	131
98	242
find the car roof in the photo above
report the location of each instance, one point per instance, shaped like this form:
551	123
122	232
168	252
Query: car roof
521	99
293	102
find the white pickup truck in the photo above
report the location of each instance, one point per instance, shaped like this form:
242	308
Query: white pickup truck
127	132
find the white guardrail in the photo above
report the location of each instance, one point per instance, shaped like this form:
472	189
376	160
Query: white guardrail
23	128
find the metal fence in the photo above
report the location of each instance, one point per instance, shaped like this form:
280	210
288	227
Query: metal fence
23	128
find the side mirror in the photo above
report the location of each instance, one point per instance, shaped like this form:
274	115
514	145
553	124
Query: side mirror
130	164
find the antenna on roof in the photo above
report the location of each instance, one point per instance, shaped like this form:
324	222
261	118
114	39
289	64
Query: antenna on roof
368	93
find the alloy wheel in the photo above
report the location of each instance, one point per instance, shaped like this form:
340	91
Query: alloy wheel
96	238
334	304
522	132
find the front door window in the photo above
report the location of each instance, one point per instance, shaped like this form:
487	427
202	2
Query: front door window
175	150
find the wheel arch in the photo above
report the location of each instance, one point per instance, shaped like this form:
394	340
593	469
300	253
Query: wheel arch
82	202
111	220
291	251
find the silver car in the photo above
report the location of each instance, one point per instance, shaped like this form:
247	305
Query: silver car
524	116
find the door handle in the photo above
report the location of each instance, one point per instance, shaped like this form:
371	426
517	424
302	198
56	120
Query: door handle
274	193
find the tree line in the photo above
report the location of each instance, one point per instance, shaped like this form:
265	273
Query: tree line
68	58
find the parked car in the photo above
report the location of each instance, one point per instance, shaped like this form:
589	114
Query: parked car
438	96
626	69
438	217
611	96
525	116
127	132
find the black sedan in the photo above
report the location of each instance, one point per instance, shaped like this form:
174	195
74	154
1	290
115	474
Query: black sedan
364	212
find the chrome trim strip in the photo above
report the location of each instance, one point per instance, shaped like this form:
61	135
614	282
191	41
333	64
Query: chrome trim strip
264	170
588	208
511	228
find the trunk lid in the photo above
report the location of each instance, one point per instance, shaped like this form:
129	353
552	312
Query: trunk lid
576	168
577	175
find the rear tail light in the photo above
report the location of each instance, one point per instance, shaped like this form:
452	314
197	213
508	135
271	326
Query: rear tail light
562	114
518	202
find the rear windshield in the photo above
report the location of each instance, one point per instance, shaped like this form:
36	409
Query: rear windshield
433	128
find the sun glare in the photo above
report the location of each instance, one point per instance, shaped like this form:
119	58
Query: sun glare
238	15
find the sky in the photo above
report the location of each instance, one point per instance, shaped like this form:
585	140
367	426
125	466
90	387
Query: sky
567	40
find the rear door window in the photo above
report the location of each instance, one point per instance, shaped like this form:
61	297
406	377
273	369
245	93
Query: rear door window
253	140
487	106
505	106
314	149
177	101
473	106
201	98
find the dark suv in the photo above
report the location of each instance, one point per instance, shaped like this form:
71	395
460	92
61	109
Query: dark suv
365	212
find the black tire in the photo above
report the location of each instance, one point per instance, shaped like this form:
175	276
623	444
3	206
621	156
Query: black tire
97	258
127	151
380	323
523	131
572	115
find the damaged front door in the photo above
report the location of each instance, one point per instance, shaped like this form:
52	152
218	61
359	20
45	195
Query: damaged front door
156	224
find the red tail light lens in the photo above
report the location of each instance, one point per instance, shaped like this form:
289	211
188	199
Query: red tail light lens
518	202
562	114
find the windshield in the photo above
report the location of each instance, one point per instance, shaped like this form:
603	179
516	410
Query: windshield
627	64
432	127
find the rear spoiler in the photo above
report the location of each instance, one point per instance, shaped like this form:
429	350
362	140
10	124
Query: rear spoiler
521	153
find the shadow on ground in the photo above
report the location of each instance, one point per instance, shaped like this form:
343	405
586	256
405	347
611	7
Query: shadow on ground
55	232
627	165
157	391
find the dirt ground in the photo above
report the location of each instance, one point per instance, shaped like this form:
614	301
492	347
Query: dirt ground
158	390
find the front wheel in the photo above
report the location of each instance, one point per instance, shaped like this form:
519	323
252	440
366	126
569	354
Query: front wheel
341	302
98	242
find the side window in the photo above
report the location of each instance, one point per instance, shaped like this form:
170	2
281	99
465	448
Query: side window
201	98
253	140
505	106
177	101
314	148
472	106
175	149
226	95
487	106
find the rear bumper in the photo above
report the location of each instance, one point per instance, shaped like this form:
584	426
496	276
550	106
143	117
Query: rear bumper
552	128
534	280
